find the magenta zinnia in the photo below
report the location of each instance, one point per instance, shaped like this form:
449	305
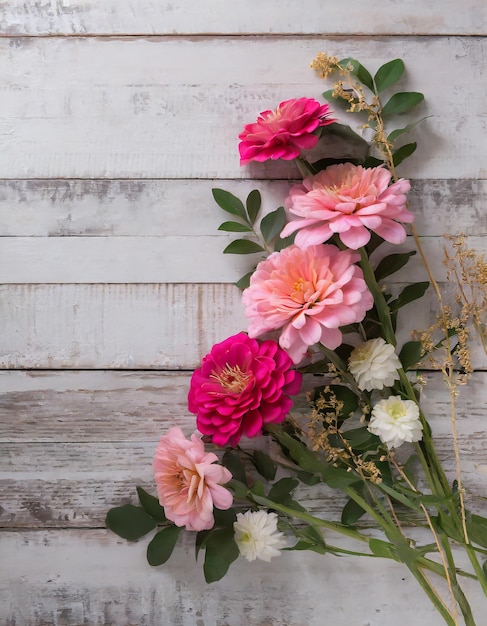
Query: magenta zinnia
189	481
308	294
350	200
283	133
241	385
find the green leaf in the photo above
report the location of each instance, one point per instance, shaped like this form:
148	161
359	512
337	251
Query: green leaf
371	161
388	74
225	518
410	293
410	354
162	545
300	453
345	132
229	203
381	548
360	438
233	462
337	102
351	513
243	246
281	490
234	227
264	465
244	282
151	505
240	490
280	244
392	263
221	551
400	497
477	529
253	203
129	521
402	103
338	477
308	545
399	131
343	394
358	70
272	224
257	488
403	153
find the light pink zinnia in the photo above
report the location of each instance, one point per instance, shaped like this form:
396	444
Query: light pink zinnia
349	200
308	294
189	481
283	133
241	385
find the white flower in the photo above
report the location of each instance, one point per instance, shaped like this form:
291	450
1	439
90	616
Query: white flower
374	364
257	536
395	421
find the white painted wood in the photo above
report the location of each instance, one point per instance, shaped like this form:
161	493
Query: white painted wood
157	208
212	16
161	326
91	577
132	107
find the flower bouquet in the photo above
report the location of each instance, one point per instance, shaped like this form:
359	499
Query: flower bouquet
320	316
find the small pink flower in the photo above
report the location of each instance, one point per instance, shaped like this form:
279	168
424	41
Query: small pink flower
308	294
349	200
241	385
283	133
189	481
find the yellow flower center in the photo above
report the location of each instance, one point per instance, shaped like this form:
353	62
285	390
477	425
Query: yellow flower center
232	378
397	410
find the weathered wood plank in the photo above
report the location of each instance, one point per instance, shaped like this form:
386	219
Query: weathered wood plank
153	326
212	16
74	444
164	259
92	208
102	108
68	578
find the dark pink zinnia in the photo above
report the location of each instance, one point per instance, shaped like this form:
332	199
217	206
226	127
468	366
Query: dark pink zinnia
241	385
283	133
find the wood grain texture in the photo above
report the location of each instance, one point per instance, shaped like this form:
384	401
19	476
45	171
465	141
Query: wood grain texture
61	578
167	208
143	108
149	17
139	326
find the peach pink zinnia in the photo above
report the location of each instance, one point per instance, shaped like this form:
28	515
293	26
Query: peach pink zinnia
283	133
189	481
308	294
350	200
241	385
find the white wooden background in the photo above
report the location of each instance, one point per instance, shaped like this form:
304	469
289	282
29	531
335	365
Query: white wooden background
116	119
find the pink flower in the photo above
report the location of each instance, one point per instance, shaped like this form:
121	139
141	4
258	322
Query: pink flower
241	385
350	200
308	294
283	133
189	481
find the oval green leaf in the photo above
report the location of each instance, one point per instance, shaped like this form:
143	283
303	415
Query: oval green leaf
221	551
402	103
272	224
243	246
229	203
129	521
162	545
388	74
151	505
357	69
403	153
234	227
253	203
410	354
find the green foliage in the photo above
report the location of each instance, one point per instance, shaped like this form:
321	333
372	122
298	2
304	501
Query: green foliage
357	69
391	264
229	203
162	545
388	74
130	522
403	153
235	227
151	505
281	490
401	103
477	529
400	131
351	513
253	204
243	246
244	282
343	394
264	464
337	102
411	354
232	461
272	224
409	294
220	552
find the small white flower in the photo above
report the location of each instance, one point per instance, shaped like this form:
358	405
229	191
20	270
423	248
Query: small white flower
374	364
257	536
395	421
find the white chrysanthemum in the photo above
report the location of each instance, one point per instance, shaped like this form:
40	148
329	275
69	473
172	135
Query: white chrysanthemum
257	536
395	421
374	364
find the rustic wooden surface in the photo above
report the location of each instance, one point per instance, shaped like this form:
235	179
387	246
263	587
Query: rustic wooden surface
117	119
